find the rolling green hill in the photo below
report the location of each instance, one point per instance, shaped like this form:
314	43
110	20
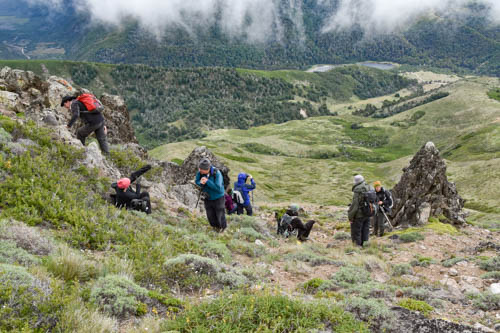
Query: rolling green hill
314	160
169	105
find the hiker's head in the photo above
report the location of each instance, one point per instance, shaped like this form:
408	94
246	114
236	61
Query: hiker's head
293	210
358	179
204	166
66	101
123	183
377	185
242	177
229	190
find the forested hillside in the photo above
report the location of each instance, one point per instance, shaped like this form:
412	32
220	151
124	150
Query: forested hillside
469	43
169	105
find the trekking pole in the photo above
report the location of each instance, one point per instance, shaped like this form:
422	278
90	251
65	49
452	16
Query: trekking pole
387	218
199	196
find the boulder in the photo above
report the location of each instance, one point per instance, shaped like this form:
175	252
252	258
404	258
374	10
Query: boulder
424	191
11	101
117	120
95	160
495	288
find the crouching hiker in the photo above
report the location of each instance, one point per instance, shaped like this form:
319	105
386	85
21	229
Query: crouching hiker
360	210
244	189
88	108
210	180
230	206
126	197
290	223
384	203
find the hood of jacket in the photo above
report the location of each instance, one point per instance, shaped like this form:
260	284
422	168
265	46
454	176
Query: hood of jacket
242	178
361	187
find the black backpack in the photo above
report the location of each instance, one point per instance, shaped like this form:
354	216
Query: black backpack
368	201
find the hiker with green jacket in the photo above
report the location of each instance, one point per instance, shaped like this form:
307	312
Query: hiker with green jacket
360	223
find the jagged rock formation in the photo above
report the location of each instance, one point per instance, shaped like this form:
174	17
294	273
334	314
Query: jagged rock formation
424	191
39	100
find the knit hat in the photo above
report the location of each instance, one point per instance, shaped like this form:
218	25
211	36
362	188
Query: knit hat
204	164
294	208
358	179
123	183
377	184
67	98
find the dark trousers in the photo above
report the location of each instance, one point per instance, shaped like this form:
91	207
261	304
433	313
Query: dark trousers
379	221
360	230
216	213
98	128
145	196
232	211
247	208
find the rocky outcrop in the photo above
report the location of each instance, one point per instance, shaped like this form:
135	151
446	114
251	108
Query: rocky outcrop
412	322
424	191
25	92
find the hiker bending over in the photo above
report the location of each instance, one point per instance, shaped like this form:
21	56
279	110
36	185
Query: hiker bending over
384	203
94	121
243	199
290	223
360	220
127	197
211	182
230	206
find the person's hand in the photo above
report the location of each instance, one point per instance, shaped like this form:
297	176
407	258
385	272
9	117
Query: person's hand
380	203
250	176
203	180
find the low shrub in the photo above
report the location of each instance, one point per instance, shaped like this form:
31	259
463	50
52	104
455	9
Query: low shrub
491	275
415	305
119	296
71	266
370	289
312	285
25	237
342	236
11	254
250	249
312	259
368	310
452	261
490	265
76	317
248	234
422	261
263	312
349	275
26	302
411	237
191	272
486	301
402	269
420	294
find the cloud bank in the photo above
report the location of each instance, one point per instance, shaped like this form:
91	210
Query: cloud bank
261	20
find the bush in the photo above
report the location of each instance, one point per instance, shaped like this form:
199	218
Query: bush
349	275
422	262
370	289
369	310
71	266
491	275
410	237
191	272
119	296
490	265
414	305
25	237
312	285
312	259
11	254
420	294
248	234
263	312
25	301
452	261
402	269
77	318
342	236
486	301
250	249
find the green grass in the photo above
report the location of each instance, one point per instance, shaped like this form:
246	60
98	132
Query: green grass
494	94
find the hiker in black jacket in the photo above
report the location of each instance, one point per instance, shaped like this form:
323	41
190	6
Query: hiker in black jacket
360	223
384	203
127	197
94	122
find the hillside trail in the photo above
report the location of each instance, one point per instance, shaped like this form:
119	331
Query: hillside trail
379	257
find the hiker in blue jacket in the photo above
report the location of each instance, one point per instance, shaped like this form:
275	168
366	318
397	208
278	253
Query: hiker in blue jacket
211	182
244	188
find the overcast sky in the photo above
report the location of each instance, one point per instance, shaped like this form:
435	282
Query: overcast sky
256	18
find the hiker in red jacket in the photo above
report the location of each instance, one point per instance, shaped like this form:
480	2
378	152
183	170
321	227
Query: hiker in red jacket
94	121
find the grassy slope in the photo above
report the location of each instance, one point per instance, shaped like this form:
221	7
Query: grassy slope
466	117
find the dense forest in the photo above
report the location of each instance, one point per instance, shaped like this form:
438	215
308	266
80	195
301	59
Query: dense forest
469	44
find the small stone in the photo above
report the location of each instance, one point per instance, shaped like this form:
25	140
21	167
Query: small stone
423	247
495	288
259	242
453	272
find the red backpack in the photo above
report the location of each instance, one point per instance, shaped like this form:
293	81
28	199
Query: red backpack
91	102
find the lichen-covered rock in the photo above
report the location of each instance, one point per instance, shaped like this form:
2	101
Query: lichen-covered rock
95	159
424	191
117	119
11	101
